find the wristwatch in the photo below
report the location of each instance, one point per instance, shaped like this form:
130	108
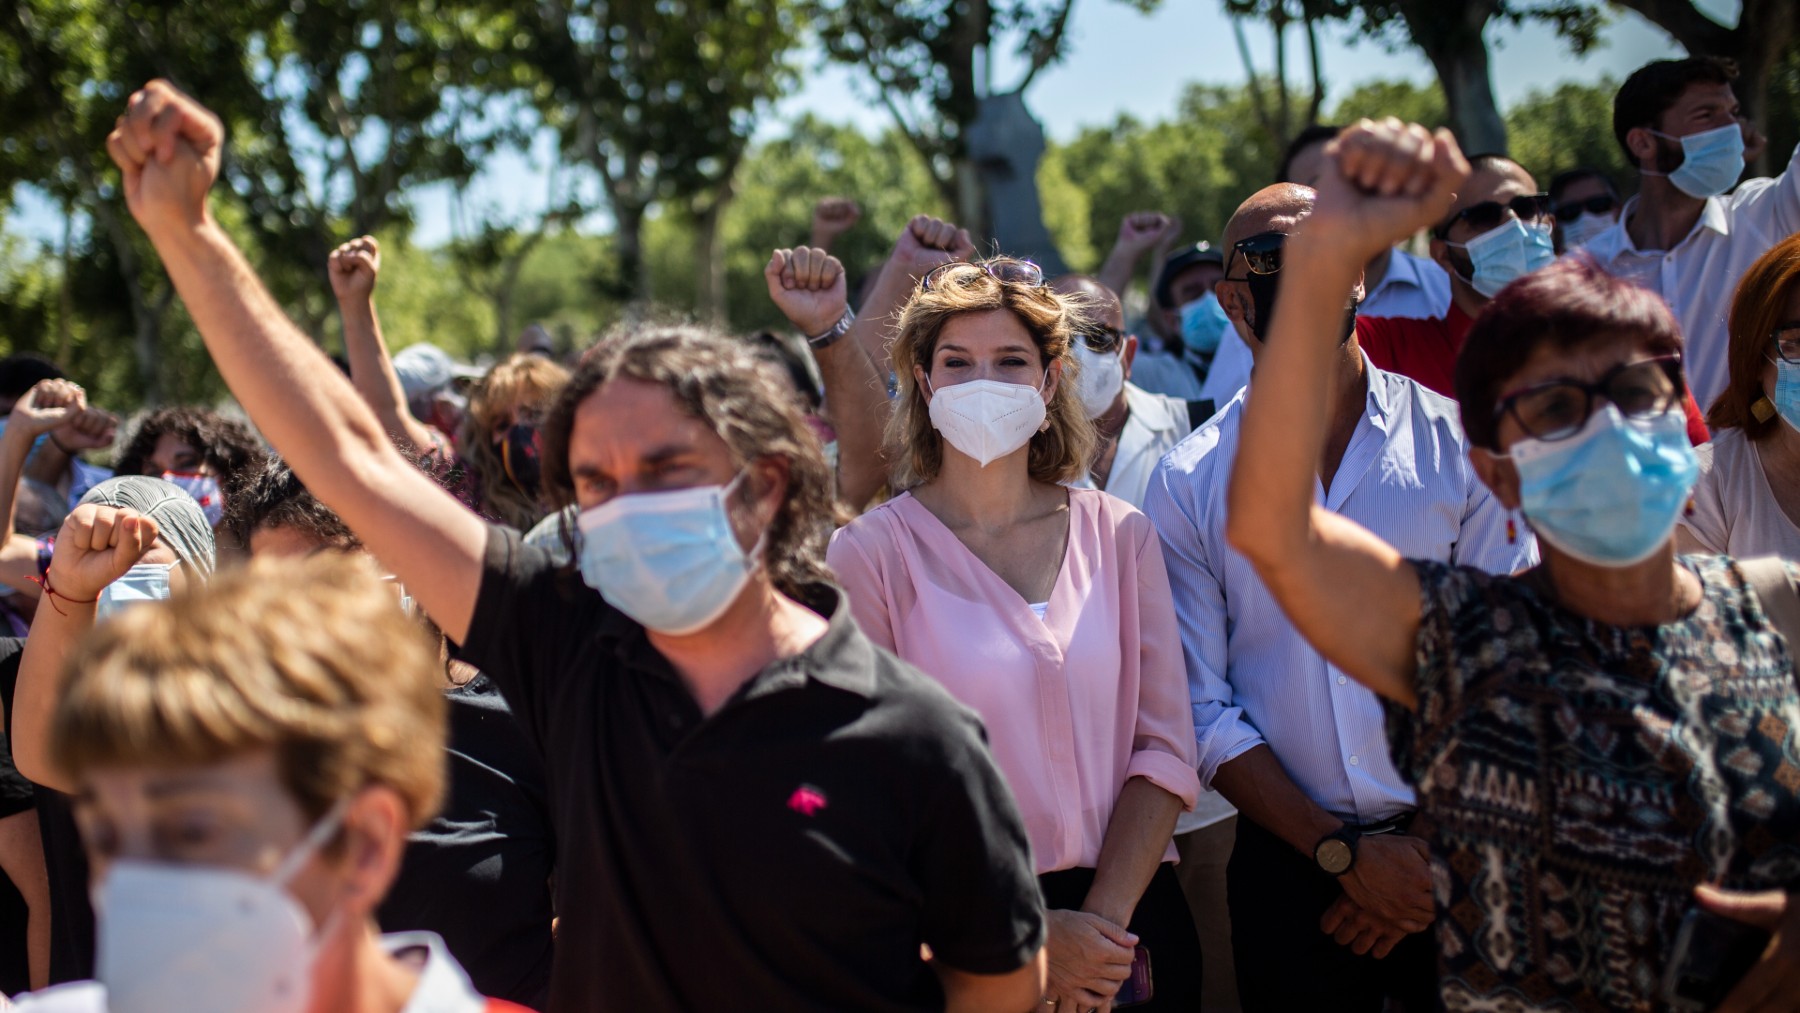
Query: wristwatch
1336	851
820	342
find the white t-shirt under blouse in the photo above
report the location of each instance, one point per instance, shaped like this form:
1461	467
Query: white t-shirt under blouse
1735	511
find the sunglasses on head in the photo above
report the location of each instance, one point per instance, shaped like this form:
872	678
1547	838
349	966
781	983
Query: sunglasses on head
1490	214
1005	269
1568	211
1261	253
1559	409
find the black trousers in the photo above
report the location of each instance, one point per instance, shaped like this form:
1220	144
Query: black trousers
1162	924
1284	962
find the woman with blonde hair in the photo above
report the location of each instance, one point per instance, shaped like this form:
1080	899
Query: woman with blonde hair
501	441
1747	502
1047	610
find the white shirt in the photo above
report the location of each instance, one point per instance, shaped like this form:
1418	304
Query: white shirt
443	986
1700	275
1154	423
1413	287
1735	511
1252	678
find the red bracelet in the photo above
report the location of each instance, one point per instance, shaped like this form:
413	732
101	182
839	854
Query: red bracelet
53	594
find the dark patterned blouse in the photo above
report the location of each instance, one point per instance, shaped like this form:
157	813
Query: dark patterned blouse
1577	780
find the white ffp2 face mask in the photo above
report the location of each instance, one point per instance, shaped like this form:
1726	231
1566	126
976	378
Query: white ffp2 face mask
1100	378
202	939
987	419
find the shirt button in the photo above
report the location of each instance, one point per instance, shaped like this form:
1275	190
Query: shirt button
1355	761
1341	680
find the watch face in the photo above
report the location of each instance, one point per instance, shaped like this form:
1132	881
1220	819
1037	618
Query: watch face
1333	855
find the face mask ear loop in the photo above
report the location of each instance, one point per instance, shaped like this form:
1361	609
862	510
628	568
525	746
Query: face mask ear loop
311	843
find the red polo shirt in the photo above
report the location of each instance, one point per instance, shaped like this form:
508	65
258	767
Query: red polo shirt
1426	350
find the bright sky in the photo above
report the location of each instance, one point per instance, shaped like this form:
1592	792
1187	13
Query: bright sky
1119	61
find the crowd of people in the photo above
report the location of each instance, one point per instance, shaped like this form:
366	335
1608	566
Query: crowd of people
1418	635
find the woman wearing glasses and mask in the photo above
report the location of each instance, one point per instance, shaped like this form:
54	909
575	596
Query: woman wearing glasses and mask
1748	500
1603	745
1047	610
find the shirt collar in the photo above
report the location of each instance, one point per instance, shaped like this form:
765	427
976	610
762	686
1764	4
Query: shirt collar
1146	410
1402	270
1712	216
1381	396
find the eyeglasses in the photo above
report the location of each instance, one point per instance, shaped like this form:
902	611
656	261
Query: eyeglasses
1787	342
1568	211
1261	253
1557	410
1489	214
1006	269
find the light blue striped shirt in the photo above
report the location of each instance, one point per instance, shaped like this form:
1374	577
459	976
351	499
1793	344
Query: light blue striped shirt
1252	678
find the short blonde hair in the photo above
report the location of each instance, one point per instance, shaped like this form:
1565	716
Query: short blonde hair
1060	453
312	658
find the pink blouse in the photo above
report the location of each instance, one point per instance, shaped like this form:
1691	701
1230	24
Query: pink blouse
1075	703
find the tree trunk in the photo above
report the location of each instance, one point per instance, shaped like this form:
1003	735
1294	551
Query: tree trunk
1454	44
628	242
710	247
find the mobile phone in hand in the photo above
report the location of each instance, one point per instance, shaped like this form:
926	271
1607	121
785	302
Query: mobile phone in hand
1712	953
1138	988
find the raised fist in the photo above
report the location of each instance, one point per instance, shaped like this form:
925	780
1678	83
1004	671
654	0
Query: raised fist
928	242
808	287
95	547
832	217
91	429
1383	182
167	145
353	268
1141	231
47	406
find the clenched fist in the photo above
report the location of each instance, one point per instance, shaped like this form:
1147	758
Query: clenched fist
353	268
808	287
167	146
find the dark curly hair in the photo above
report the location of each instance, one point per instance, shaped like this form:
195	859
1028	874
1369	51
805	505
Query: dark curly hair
226	444
721	382
272	496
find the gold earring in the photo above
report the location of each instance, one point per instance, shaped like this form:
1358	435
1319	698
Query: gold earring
1763	409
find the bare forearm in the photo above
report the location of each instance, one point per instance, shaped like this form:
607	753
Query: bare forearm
372	373
1259	786
875	325
1137	837
58	627
856	402
15	447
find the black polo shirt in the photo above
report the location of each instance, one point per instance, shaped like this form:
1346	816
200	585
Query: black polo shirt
790	852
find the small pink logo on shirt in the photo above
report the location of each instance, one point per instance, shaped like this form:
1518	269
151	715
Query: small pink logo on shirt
806	800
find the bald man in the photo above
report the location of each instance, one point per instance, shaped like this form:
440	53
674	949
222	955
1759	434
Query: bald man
1136	427
1295	745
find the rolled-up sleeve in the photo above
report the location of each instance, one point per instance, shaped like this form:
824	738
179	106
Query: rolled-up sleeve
1162	747
1221	731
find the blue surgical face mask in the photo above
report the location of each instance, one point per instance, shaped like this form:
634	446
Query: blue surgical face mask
1203	324
1609	495
1506	252
1711	161
143	582
669	560
1787	391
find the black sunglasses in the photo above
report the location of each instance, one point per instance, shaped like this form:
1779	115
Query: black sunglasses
1559	409
1568	211
1488	215
1261	253
1006	269
1101	339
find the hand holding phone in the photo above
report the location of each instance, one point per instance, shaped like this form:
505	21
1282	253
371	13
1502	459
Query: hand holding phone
1712	953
